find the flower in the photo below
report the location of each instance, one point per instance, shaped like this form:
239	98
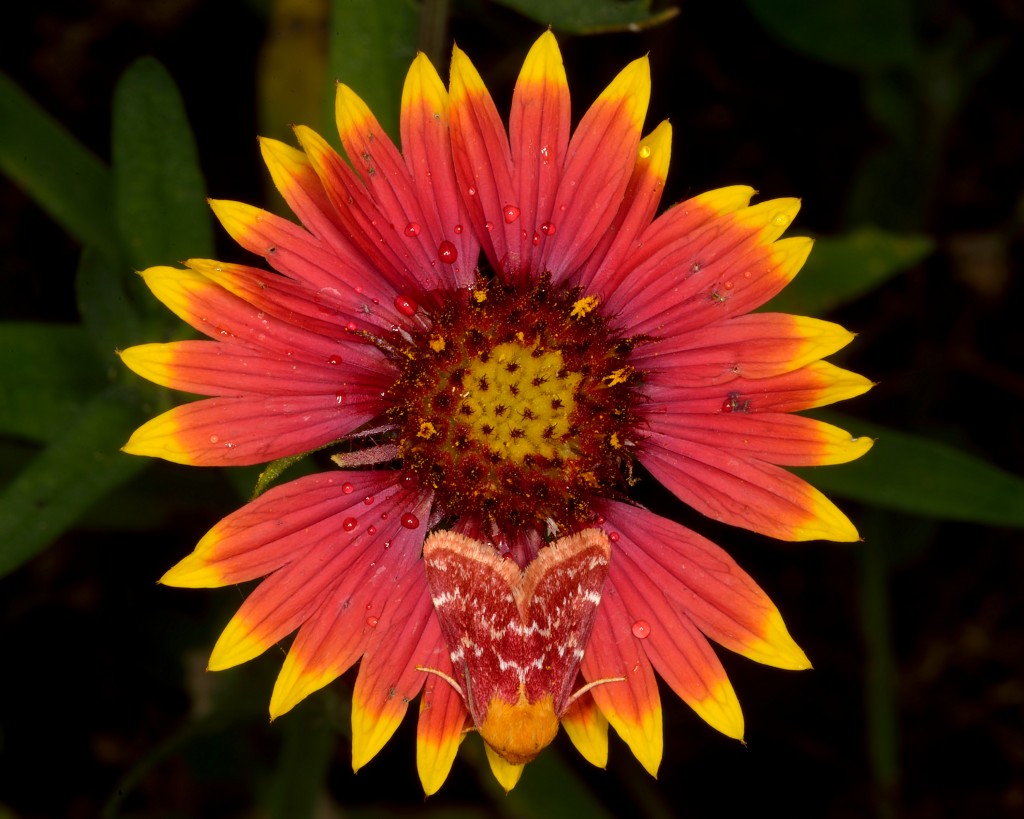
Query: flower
493	330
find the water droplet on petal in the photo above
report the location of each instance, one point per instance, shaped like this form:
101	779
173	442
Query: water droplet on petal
471	191
781	219
645	151
457	229
351	326
348	524
488	226
728	285
368	500
447	252
334	360
412	229
347	488
405	305
214	439
536	239
371	530
547	229
641	629
511	213
327	300
410	521
339	398
409	480
613	537
372	621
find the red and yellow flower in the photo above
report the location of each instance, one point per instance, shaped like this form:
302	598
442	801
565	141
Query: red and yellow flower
493	328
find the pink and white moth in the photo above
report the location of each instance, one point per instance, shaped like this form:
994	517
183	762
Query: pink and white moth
516	638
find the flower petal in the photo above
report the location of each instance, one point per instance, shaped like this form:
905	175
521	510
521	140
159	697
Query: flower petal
814	385
632	706
330	641
441	726
388	680
233	369
539	130
507	773
426	145
587	727
744	491
679	652
600	163
777	438
281	525
236	431
640	202
706	584
390	185
730	266
756	345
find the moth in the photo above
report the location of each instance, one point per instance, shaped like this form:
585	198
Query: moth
516	638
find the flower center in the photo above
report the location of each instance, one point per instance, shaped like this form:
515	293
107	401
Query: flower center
516	405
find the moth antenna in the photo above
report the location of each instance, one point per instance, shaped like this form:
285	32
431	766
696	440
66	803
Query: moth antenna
458	687
591	685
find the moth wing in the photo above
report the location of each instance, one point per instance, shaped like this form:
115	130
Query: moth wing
562	589
472	591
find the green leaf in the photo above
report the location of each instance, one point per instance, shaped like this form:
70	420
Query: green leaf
371	46
106	303
49	372
58	172
919	476
159	193
64	480
594	17
840	269
308	744
859	34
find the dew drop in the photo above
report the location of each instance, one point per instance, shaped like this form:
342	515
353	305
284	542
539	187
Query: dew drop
728	285
641	629
645	151
536	239
746	274
327	299
599	520
471	191
372	621
368	500
412	229
347	488
348	524
334	360
410	521
409	480
781	219
387	544
339	398
547	228
457	229
371	530
488	226
613	537
447	252
214	439
351	326
511	213
405	305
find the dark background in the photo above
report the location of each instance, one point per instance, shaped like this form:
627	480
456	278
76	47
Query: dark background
105	705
